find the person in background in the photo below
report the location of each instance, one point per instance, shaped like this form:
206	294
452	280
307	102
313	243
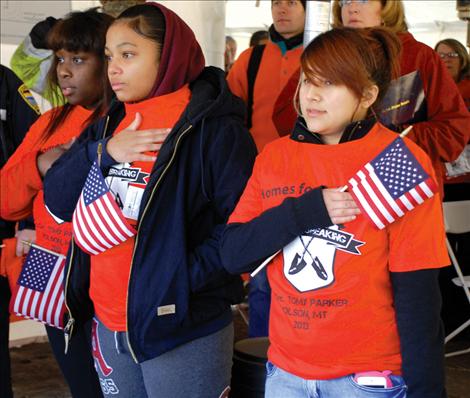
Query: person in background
18	111
77	75
33	58
357	319
258	77
176	157
260	37
457	61
230	52
456	187
444	133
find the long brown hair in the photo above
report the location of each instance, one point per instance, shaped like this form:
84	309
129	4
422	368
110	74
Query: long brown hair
78	31
355	58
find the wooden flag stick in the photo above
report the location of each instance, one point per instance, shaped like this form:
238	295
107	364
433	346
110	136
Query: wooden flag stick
25	242
406	131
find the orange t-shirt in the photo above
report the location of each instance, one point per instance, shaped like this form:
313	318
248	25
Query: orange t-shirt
332	304
110	269
21	184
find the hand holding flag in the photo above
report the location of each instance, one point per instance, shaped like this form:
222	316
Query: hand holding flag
98	223
391	184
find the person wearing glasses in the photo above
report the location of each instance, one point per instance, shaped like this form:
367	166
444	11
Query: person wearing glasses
456	187
457	61
444	133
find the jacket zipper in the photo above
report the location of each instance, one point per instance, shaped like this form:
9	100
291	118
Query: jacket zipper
68	329
140	223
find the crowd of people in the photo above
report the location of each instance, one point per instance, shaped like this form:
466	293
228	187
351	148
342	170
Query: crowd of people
160	181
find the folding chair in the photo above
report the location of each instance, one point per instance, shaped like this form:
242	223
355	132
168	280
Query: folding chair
457	221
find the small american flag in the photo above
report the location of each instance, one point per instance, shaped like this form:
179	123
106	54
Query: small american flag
98	223
391	184
39	293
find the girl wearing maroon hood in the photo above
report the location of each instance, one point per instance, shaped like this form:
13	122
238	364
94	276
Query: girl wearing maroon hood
176	157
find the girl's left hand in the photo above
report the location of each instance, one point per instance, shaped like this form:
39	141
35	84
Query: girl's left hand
25	235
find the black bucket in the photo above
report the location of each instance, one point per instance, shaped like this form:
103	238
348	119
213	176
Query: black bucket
249	368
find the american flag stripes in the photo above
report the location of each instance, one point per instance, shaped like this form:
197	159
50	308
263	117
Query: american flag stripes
98	223
391	184
39	293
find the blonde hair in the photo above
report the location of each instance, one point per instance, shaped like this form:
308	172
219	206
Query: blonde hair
392	13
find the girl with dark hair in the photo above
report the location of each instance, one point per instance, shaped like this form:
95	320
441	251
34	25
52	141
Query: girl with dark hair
355	309
78	74
176	157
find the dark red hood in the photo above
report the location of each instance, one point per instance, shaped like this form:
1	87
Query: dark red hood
181	60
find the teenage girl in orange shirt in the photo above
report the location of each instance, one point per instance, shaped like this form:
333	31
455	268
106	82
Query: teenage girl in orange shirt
77	69
354	309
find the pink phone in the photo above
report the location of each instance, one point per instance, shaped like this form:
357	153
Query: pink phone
374	378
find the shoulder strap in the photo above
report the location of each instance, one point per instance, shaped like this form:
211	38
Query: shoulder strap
252	71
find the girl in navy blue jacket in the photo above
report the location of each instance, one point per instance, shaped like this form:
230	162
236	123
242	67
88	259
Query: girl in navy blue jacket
176	157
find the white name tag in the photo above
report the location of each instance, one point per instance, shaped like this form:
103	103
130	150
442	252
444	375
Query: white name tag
166	309
132	203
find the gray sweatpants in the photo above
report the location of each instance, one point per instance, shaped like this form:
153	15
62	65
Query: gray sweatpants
198	369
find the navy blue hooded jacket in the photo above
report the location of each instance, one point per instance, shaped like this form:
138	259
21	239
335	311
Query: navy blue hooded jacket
195	183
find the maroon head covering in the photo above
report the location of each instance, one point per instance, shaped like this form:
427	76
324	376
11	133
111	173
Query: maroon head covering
181	59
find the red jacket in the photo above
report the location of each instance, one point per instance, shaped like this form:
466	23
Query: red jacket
445	133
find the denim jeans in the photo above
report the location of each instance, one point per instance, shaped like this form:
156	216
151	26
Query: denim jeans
282	384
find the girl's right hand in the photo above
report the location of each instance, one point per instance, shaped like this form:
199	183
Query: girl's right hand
130	144
341	206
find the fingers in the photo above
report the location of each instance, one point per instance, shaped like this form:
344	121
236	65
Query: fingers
22	248
341	206
342	219
135	123
130	145
152	135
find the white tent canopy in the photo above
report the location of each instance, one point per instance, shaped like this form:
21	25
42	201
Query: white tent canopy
428	20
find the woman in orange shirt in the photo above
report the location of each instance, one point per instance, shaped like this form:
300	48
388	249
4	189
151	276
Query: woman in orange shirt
77	69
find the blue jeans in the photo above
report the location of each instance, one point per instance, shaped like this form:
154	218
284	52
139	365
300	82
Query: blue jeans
282	384
198	369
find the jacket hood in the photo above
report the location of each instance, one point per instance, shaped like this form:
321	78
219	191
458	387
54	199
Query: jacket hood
181	59
211	97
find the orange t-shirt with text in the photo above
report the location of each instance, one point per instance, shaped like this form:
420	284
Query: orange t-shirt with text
332	308
110	270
